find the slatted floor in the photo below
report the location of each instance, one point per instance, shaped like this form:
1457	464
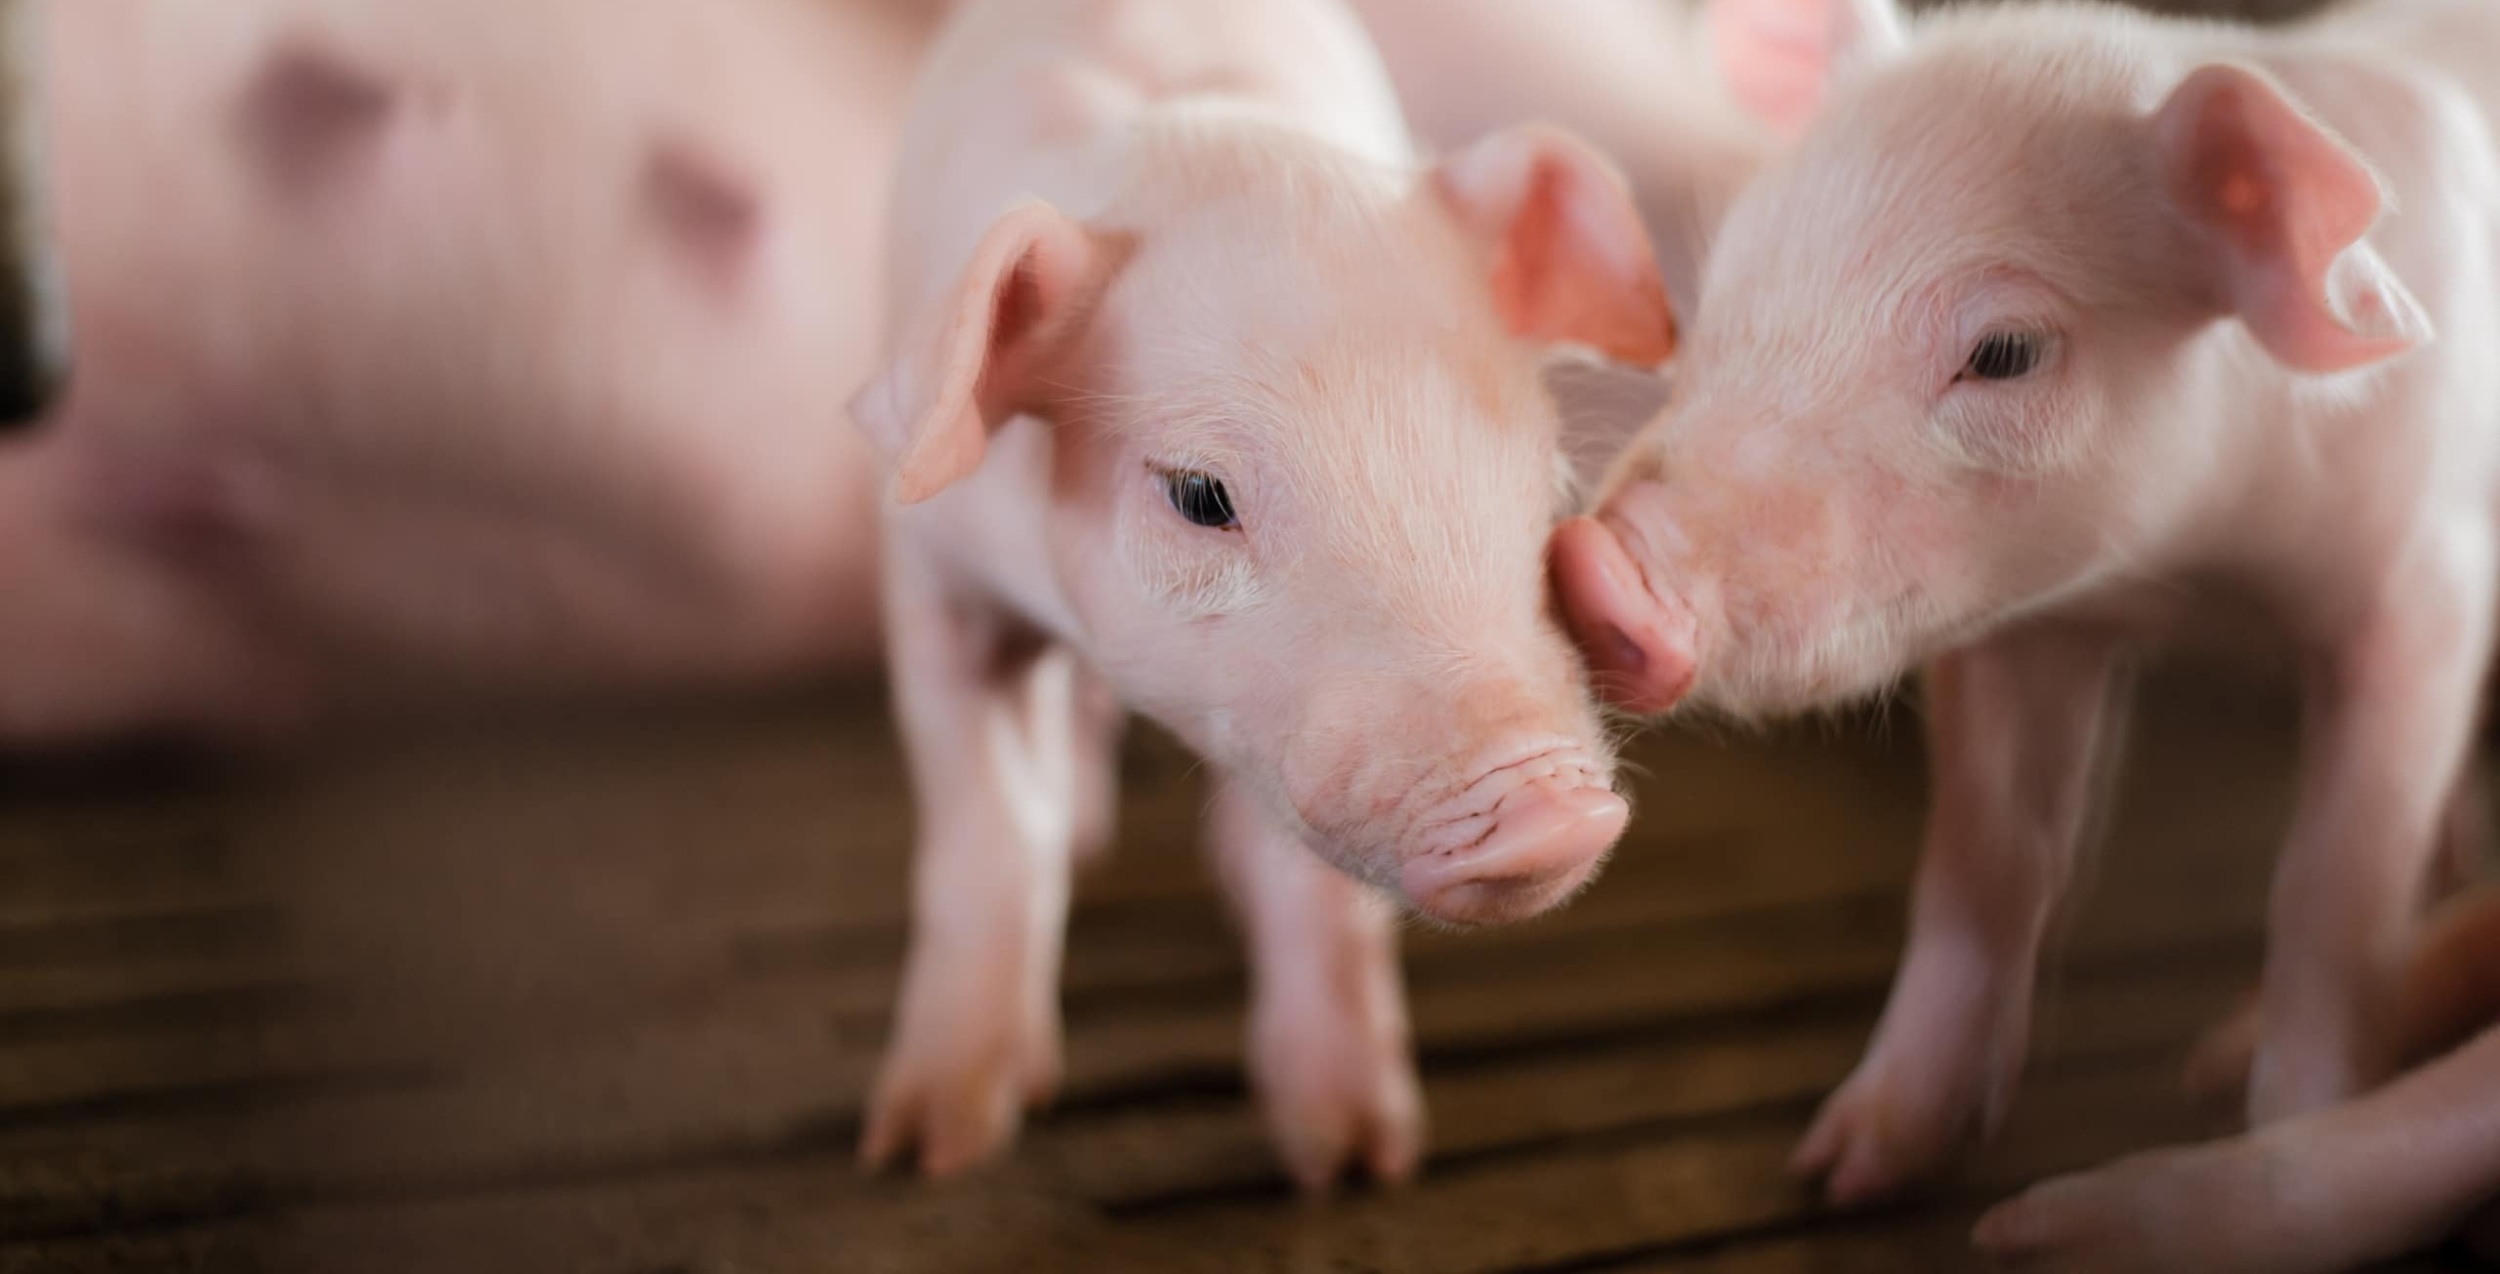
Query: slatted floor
603	997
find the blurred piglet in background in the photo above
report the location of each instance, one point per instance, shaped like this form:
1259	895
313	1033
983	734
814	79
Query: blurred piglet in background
410	359
2061	328
1630	76
1209	403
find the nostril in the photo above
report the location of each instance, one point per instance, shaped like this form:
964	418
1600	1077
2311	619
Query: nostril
1640	645
1546	840
1623	653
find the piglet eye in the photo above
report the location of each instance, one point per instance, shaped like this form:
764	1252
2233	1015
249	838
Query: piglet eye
2005	356
1201	498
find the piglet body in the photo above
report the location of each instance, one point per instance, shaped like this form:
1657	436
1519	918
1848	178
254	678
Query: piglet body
2061	328
444	344
1208	401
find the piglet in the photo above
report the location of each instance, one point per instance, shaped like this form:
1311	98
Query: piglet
1208	401
472	346
2062	328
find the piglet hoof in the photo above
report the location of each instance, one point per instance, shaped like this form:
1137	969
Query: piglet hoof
957	1082
2217	1209
1341	1102
1879	1135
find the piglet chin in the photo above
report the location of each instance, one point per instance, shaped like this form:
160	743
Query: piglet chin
1643	650
1546	841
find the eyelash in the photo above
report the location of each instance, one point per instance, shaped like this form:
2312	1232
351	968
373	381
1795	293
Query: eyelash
1201	499
2005	356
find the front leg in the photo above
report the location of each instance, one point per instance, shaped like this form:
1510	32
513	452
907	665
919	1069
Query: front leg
1329	1052
989	722
2015	727
2390	717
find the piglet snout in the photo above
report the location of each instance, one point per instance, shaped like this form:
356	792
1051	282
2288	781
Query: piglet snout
1524	838
1642	648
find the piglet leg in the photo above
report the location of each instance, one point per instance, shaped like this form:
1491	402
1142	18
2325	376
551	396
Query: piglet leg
1098	722
2218	1069
2390	716
2015	726
34	306
2317	1193
988	717
1329	1052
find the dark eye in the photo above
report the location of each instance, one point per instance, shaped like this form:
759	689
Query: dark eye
1201	498
2005	356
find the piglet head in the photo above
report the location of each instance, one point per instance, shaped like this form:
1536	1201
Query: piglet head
1959	353
1302	472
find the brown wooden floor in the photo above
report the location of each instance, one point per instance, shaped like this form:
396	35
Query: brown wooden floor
603	997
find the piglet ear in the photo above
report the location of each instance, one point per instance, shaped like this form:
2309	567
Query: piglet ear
1571	259
2286	203
1777	56
970	367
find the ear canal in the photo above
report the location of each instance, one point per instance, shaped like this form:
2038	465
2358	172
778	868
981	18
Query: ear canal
1777	57
1571	260
975	363
2289	205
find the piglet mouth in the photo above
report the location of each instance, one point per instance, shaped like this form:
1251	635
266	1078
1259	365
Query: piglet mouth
1643	648
1519	841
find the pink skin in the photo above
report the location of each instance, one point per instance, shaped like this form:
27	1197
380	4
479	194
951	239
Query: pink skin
1628	75
2333	1190
408	360
1631	76
2226	405
1139	241
1328	1034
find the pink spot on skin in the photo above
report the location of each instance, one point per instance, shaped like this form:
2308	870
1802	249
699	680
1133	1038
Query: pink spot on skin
310	110
708	214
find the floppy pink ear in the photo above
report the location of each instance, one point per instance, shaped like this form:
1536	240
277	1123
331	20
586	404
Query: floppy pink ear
1776	56
1571	259
2287	203
977	362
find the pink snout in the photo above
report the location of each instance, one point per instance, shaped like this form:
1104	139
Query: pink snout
1541	842
1643	650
